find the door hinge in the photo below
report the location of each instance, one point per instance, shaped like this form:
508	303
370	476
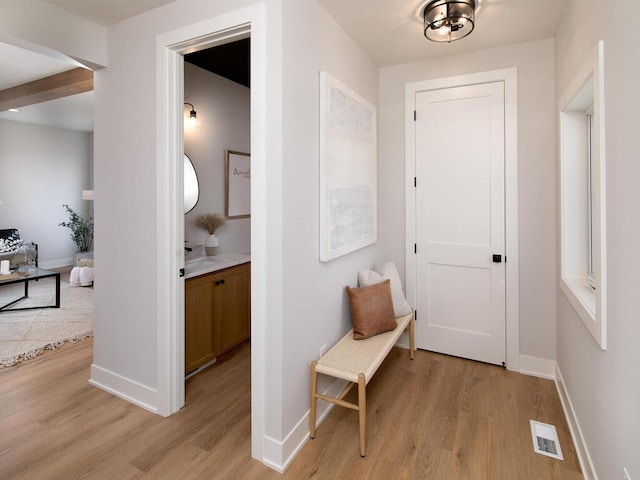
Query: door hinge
415	248
415	182
182	272
414	115
415	315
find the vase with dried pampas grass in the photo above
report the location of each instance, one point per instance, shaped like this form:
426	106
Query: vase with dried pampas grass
211	222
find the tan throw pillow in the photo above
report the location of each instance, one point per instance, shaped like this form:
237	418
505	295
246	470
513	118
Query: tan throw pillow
371	310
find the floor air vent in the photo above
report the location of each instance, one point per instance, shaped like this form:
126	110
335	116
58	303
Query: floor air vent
545	440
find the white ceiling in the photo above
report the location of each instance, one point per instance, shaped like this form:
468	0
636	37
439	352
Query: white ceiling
19	66
74	113
108	12
389	31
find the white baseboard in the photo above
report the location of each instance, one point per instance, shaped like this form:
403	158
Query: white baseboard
582	451
125	388
59	263
272	454
537	367
279	454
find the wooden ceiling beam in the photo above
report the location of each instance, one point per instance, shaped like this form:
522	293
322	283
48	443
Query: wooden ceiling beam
71	82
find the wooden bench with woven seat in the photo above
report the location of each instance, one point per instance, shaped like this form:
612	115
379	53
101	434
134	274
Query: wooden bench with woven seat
356	361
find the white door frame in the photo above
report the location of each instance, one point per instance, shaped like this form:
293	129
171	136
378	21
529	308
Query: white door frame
170	48
510	78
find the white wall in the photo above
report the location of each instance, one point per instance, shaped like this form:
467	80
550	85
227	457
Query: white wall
311	309
42	168
315	307
223	109
125	140
536	172
604	386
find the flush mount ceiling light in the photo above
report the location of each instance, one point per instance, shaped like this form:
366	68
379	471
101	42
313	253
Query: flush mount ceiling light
448	20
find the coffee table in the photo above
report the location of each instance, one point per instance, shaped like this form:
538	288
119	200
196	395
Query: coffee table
26	274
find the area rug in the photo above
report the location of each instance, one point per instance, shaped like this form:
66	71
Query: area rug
25	334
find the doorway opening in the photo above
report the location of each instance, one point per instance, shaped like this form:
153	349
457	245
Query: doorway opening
170	283
217	229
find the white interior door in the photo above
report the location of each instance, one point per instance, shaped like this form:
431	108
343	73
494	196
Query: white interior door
460	221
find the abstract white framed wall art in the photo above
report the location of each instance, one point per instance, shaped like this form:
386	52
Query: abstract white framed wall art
348	170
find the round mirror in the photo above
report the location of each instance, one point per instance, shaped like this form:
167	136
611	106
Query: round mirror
191	189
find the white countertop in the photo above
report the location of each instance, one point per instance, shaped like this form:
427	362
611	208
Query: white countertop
201	265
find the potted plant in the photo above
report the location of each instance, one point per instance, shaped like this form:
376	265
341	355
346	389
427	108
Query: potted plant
211	222
81	232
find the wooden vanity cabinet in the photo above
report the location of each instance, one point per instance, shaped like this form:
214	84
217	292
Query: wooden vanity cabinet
198	322
233	307
217	314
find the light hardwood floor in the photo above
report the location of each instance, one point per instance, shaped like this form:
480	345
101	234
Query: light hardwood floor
435	418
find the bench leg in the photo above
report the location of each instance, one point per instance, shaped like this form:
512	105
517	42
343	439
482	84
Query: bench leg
362	412
314	400
412	338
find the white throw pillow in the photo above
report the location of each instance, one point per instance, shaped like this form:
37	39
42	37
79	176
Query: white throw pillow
388	271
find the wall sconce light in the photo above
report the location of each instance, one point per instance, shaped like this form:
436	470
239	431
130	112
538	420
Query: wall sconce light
193	120
448	20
